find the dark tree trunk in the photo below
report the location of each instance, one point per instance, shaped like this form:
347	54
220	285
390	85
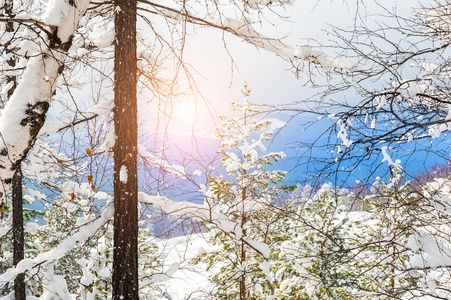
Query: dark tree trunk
17	197
125	255
243	246
18	233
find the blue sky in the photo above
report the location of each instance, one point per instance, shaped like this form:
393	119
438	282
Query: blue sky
271	83
220	76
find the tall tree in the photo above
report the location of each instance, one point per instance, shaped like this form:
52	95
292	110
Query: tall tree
18	229
18	232
125	266
246	198
56	34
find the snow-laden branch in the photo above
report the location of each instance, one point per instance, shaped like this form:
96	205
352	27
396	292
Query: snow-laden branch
6	226
81	236
304	52
195	211
199	212
25	112
202	213
244	30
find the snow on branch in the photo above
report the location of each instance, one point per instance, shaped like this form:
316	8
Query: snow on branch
81	236
435	253
195	211
25	112
387	158
261	248
7	226
192	210
244	30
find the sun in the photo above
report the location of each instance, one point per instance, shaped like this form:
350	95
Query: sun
184	113
186	116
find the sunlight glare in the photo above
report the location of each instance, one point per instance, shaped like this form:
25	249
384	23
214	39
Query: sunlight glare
184	114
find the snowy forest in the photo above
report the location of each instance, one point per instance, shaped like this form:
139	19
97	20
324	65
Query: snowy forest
136	162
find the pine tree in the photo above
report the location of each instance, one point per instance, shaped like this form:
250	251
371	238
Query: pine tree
86	269
31	247
337	254
386	240
314	261
247	198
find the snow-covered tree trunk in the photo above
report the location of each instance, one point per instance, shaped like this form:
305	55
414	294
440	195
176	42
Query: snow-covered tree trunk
18	229
125	255
25	112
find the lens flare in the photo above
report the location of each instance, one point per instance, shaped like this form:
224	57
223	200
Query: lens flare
184	113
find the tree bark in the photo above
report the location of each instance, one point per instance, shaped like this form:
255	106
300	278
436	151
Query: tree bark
125	254
17	195
18	233
243	246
